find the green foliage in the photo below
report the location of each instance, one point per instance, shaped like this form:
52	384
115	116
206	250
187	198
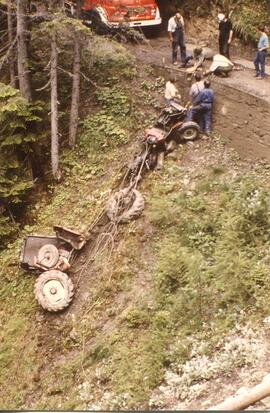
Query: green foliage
6	228
135	317
109	56
173	267
216	253
115	99
248	15
17	117
158	84
102	131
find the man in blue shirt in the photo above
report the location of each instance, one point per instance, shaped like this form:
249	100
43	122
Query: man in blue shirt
202	108
259	61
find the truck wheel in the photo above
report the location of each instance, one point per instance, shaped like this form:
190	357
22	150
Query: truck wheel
151	32
97	24
125	205
54	290
48	256
189	131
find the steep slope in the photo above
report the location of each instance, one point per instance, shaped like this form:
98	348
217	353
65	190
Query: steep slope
185	282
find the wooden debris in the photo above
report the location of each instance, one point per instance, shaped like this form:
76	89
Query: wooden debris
241	401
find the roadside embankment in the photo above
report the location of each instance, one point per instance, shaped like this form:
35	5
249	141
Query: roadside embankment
242	103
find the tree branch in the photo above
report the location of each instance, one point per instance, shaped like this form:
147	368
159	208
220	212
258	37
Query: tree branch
87	79
6	56
44	87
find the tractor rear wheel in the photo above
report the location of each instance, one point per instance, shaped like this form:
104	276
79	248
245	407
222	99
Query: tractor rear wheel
189	131
125	205
54	290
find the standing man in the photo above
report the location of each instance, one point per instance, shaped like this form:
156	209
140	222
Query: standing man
202	107
197	87
177	37
225	35
194	91
259	61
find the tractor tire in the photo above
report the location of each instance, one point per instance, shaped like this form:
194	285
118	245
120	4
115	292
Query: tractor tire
48	256
54	290
132	208
189	131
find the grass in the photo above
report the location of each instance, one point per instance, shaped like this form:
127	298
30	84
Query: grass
204	274
204	264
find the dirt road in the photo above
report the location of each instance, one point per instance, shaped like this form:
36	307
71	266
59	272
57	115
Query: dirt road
242	103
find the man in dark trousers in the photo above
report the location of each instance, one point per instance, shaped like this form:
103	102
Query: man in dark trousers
259	61
225	35
202	107
177	37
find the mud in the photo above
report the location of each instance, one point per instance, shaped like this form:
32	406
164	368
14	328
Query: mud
242	103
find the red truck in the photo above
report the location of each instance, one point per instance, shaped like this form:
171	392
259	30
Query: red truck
112	13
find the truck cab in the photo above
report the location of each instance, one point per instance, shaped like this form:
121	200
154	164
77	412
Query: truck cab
113	13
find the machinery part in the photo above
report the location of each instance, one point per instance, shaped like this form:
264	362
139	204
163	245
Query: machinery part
189	131
64	253
171	146
74	238
137	162
54	290
125	205
48	256
152	160
160	160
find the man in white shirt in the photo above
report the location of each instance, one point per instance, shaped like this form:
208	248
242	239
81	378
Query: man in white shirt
176	32
221	66
170	91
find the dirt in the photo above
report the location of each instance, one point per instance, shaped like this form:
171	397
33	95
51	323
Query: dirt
158	52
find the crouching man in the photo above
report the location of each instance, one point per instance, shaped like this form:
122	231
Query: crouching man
221	66
202	108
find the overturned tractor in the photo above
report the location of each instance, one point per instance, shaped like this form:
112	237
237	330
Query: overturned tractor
52	256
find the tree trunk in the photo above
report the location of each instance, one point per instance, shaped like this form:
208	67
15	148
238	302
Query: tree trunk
54	110
10	40
74	111
268	6
23	67
241	402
